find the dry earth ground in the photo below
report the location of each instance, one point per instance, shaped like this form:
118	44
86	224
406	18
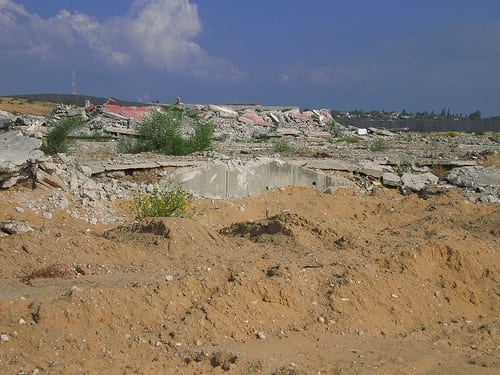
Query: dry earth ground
292	281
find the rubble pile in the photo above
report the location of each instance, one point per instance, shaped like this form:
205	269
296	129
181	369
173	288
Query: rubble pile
245	122
93	184
231	122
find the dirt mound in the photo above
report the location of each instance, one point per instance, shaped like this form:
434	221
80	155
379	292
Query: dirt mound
290	281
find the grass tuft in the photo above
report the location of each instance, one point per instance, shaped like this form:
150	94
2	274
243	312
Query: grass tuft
171	201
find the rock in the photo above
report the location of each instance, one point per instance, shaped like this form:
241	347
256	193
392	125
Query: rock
4	338
418	182
472	177
383	132
260	335
17	155
15	227
16	151
391	179
370	168
50	180
254	118
224	112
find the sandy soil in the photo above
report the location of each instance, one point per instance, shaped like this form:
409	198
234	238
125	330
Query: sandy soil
23	106
292	281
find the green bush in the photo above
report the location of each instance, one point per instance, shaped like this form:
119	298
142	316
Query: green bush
379	145
348	139
160	132
282	146
58	138
171	201
451	134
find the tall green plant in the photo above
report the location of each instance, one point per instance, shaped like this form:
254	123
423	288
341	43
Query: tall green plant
171	201
160	132
58	138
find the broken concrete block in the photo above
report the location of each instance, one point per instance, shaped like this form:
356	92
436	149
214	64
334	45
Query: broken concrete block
306	116
223	112
16	150
391	179
274	118
15	227
73	112
370	168
49	180
418	182
383	132
8	182
473	177
255	118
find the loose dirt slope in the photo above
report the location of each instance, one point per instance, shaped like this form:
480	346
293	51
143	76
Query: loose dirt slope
287	282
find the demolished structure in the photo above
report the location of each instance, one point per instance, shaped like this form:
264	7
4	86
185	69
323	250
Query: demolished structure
220	176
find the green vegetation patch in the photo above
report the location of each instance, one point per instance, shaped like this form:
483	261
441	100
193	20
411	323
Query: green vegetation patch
171	201
58	139
160	132
283	147
379	145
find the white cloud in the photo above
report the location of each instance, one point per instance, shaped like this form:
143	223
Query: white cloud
334	76
155	33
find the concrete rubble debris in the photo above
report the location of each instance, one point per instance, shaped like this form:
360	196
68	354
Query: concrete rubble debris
15	227
90	182
17	154
483	180
417	182
391	179
383	132
240	179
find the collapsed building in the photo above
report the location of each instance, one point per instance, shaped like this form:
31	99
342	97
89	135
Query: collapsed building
22	160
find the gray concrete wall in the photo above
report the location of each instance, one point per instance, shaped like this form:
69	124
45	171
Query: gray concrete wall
222	181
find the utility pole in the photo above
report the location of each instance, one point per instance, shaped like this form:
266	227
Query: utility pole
73	81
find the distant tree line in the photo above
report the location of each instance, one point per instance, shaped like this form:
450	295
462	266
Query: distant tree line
383	115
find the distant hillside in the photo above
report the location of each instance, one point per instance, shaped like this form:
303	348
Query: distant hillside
73	99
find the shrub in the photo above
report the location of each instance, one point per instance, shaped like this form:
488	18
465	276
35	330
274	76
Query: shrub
160	132
336	129
379	145
451	134
171	201
282	146
348	139
58	139
202	138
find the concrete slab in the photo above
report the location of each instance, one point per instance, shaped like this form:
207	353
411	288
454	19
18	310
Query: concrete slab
223	181
16	150
331	164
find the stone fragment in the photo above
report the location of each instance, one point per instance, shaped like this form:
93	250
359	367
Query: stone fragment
255	118
383	132
370	168
224	112
15	227
418	182
473	177
49	180
391	179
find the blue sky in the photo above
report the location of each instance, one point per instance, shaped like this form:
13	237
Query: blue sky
342	54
